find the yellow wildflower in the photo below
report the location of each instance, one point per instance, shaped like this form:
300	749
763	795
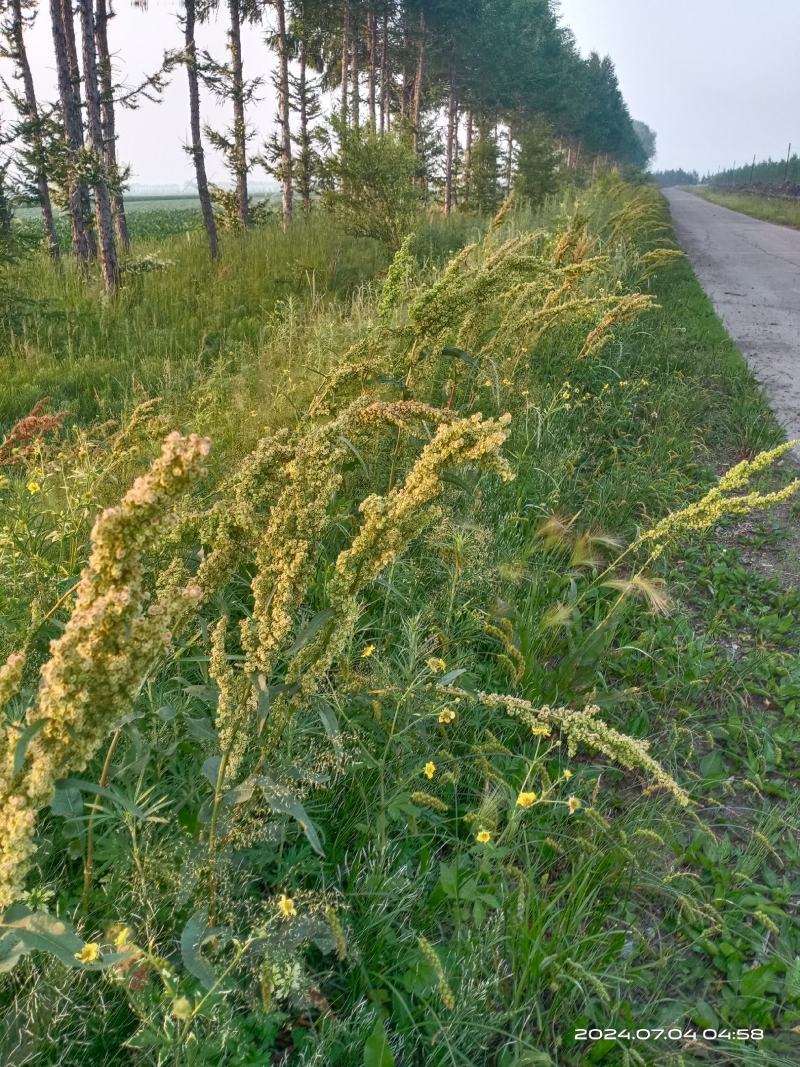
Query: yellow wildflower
368	651
33	487
573	804
540	730
435	665
89	953
483	837
121	937
568	774
446	715
429	769
182	1008
526	800
286	906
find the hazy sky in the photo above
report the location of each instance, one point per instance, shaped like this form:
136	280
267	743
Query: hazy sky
717	79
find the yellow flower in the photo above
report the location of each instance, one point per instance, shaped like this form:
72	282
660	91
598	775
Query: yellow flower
429	769
446	715
182	1008
89	953
286	906
525	800
540	730
568	774
573	804
368	651
34	487
435	665
121	935
483	837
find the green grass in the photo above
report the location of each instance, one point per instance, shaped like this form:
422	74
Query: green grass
768	208
629	914
171	327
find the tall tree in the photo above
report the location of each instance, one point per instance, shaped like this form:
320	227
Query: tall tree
19	16
60	17
103	12
239	130
100	176
195	149
284	146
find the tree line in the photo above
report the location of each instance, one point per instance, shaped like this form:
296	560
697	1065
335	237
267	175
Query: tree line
484	95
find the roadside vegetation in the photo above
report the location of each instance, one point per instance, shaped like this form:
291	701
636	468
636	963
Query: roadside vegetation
426	735
784	210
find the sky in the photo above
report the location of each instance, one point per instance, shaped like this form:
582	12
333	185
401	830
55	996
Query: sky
716	79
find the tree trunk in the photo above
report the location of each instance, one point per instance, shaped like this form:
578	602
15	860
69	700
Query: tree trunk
456	154
385	70
468	158
32	118
305	144
451	138
73	133
239	127
68	18
104	73
102	198
355	71
345	82
197	153
372	40
283	108
510	162
416	110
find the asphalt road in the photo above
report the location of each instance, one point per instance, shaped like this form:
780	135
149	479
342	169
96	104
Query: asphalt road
751	271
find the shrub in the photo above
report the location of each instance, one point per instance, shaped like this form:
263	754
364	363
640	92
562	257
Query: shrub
375	191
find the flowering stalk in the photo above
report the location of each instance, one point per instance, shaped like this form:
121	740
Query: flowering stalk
107	647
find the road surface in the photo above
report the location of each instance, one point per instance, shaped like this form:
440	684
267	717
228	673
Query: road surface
751	271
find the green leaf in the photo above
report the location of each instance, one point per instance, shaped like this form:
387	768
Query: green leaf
704	1015
41	932
102	791
193	936
284	804
354	450
450	677
310	630
67	802
25	739
459	353
11	950
377	1052
211	769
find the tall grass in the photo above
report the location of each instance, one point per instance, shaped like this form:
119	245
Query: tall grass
179	316
367	722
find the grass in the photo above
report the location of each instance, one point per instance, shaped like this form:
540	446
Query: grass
627	914
174	324
784	212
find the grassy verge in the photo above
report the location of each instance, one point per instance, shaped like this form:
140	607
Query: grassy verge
768	208
180	320
484	893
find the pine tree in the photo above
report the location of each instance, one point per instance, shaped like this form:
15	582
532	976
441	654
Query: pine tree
99	173
18	16
195	149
